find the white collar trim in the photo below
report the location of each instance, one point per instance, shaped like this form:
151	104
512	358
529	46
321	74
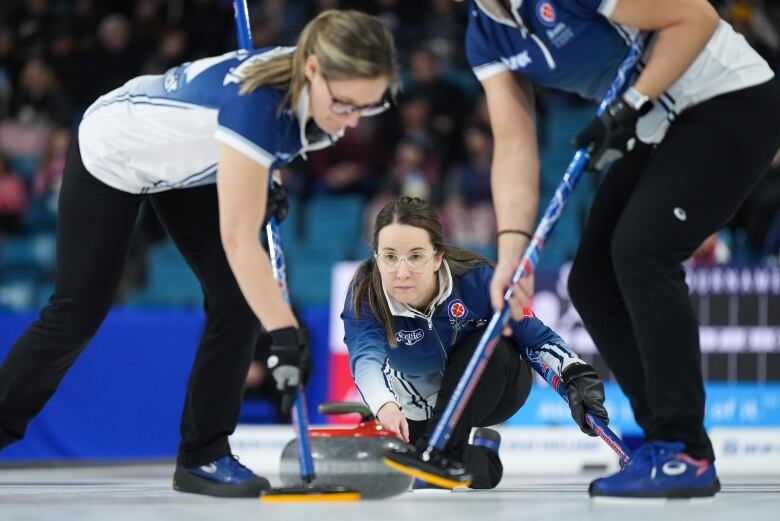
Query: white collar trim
303	115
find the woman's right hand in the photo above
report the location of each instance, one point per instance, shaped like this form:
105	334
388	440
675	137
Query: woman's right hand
521	292
392	419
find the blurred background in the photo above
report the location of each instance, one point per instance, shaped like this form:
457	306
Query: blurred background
123	397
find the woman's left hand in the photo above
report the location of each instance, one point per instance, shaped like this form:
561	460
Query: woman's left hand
585	393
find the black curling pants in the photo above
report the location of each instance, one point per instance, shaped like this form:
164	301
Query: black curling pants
93	234
502	389
653	209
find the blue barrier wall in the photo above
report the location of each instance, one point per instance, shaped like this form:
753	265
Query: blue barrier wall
122	399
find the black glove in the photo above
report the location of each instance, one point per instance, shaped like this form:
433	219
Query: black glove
289	362
610	135
585	393
276	205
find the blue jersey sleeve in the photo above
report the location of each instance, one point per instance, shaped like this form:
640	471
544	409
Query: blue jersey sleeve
537	341
367	344
604	7
252	125
480	53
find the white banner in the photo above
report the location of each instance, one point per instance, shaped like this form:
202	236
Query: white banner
544	450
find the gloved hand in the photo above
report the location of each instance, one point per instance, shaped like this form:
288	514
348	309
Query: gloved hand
585	393
610	135
276	205
289	362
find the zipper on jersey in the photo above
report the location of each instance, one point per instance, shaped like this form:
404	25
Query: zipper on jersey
441	347
429	319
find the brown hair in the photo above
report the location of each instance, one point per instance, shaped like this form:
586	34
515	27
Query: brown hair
348	44
366	285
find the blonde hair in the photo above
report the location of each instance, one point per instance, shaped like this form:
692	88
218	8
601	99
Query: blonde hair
348	45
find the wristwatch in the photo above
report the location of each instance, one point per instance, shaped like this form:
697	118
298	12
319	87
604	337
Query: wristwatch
637	101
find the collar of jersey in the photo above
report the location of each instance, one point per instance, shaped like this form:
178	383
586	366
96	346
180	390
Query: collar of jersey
495	11
302	113
399	309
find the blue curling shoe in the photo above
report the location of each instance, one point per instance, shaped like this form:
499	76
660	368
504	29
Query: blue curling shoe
225	477
660	470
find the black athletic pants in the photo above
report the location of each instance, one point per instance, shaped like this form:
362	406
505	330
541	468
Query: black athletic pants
93	234
653	209
500	392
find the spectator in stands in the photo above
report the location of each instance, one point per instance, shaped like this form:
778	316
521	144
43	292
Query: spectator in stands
414	121
148	23
48	178
350	166
39	99
467	213
443	30
9	69
13	198
116	58
172	47
445	98
68	61
415	171
209	25
33	22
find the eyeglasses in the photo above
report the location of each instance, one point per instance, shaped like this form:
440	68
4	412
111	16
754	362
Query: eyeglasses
342	108
414	261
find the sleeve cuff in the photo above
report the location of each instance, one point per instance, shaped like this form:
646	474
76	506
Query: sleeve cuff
484	72
607	7
377	400
243	145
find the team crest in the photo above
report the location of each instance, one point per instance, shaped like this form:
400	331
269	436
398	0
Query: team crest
457	309
546	13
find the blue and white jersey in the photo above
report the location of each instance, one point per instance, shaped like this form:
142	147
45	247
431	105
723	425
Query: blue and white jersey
572	45
161	132
410	374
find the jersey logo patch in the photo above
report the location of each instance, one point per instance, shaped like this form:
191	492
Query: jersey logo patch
546	13
518	61
458	309
409	337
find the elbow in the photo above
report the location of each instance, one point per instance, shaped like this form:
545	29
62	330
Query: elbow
232	243
707	18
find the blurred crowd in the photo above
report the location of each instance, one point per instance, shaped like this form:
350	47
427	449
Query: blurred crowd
57	56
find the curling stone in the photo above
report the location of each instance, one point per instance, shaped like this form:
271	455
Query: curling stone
349	457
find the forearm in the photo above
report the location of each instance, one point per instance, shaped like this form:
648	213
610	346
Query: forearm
515	187
683	29
555	355
371	383
252	269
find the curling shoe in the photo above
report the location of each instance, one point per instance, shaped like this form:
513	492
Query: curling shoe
660	470
225	477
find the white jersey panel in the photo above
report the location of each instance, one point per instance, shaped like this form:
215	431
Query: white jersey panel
726	64
163	132
143	145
